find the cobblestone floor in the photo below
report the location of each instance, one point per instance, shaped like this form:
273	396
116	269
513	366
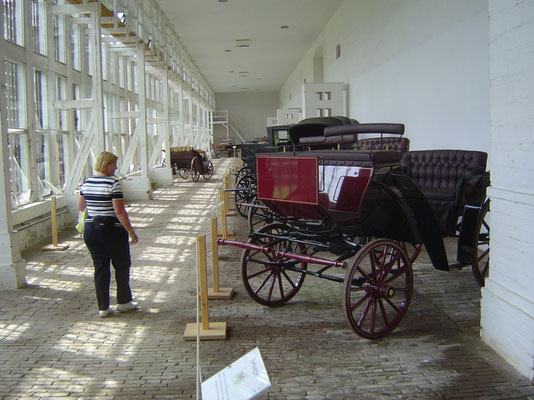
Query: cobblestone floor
53	346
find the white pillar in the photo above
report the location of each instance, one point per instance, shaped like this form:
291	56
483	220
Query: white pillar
12	267
507	305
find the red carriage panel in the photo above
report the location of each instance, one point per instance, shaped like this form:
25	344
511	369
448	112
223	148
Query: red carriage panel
288	179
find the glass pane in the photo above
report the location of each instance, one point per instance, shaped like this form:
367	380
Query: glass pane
62	148
18	156
38	23
13	21
41	116
62	95
16	104
59	37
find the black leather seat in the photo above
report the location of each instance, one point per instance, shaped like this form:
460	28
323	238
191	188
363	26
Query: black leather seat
440	175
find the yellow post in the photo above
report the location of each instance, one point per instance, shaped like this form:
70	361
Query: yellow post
216	292
228	185
222	211
206	330
203	281
54	221
54	245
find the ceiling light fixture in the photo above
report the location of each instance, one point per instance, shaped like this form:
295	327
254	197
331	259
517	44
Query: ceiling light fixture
284	27
242	43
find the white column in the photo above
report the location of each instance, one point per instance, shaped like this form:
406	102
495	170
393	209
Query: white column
12	267
507	305
96	39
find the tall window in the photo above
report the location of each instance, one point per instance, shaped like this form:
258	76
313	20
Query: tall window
41	112
13	21
62	148
38	22
59	38
16	104
61	95
75	47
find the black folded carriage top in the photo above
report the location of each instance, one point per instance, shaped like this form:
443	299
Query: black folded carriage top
324	132
316	126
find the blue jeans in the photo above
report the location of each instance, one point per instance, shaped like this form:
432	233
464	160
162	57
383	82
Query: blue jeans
105	247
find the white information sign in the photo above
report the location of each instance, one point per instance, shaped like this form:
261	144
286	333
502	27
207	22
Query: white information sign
242	380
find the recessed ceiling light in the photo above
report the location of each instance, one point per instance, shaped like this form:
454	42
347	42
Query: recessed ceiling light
284	27
242	43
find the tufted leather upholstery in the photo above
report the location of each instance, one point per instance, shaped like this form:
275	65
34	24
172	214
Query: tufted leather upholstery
387	143
440	175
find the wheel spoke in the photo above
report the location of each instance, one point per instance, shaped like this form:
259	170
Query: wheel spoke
288	279
262	284
484	254
400	272
366	310
360	302
279	278
393	305
383	312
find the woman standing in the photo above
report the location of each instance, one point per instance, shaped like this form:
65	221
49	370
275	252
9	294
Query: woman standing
106	233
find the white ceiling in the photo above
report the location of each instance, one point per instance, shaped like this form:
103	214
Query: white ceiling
209	27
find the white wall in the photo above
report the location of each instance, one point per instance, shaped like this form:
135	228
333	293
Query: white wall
249	111
507	317
420	62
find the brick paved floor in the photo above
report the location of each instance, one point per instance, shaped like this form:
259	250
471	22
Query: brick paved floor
53	346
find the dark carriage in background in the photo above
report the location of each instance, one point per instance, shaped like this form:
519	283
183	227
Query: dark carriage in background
373	210
191	163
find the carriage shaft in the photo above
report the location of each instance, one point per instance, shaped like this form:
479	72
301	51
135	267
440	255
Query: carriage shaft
283	253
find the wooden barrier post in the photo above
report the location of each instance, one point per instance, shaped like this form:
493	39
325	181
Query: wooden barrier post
230	208
54	246
206	330
216	292
224	231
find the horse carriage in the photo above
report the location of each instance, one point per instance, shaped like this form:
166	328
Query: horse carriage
373	210
191	163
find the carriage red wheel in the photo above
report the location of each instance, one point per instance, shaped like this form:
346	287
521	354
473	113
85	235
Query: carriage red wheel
480	264
268	279
378	288
412	250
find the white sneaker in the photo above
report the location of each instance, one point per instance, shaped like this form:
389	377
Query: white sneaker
130	306
104	313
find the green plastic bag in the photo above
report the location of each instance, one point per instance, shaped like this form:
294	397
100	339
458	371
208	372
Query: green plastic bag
81	221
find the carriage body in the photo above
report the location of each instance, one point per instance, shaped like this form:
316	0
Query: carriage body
373	210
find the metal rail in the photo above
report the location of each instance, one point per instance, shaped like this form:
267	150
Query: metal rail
283	253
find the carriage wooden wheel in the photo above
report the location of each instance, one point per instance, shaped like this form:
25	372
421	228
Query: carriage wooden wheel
378	288
259	215
184	173
243	172
195	169
269	279
245	194
480	264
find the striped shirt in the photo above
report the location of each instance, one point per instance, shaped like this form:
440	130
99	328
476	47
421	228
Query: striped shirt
99	192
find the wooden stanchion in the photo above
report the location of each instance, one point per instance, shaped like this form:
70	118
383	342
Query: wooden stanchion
224	231
230	208
205	330
54	246
217	292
